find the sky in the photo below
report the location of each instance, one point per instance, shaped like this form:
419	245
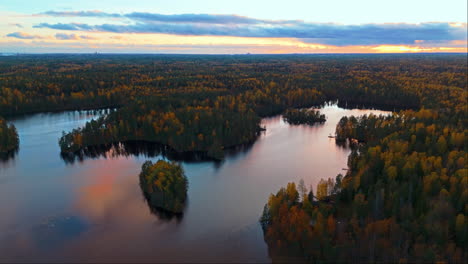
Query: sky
233	27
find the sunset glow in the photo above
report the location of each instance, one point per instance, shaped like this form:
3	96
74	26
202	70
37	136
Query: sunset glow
75	28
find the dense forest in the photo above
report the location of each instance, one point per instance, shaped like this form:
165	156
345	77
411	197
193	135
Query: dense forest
184	129
149	90
403	199
303	116
9	140
267	84
164	185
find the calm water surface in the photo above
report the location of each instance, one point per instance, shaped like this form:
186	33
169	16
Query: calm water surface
94	210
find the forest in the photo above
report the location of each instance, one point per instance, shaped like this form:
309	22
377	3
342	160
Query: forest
267	83
404	197
184	129
9	141
149	90
164	185
303	116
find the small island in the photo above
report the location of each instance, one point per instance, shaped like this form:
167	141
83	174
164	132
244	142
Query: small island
9	140
164	185
303	116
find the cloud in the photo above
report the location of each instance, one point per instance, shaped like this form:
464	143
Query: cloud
22	35
69	26
145	48
332	34
194	18
63	36
16	25
175	18
87	37
240	26
92	13
117	37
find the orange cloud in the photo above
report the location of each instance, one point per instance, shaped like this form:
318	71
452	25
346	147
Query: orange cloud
165	43
404	48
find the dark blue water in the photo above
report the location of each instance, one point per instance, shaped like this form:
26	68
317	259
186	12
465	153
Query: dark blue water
53	211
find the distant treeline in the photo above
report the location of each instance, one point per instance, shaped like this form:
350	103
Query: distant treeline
180	100
36	83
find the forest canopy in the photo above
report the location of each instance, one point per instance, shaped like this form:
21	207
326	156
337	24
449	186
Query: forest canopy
404	197
9	140
178	100
164	185
303	116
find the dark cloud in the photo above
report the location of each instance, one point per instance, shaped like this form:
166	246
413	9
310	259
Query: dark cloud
193	18
232	25
176	18
61	26
22	35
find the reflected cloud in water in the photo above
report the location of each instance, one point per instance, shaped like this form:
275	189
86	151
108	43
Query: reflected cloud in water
98	211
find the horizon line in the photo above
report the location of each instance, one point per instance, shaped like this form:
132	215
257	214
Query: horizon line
226	54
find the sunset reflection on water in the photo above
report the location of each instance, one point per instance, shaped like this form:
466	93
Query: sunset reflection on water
94	210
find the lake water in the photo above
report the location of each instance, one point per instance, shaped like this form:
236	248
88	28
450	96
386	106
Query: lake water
93	210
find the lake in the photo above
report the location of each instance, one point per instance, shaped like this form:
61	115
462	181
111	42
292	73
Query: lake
92	210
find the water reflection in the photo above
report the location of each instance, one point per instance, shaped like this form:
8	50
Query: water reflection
149	150
57	230
8	156
96	210
161	213
125	149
